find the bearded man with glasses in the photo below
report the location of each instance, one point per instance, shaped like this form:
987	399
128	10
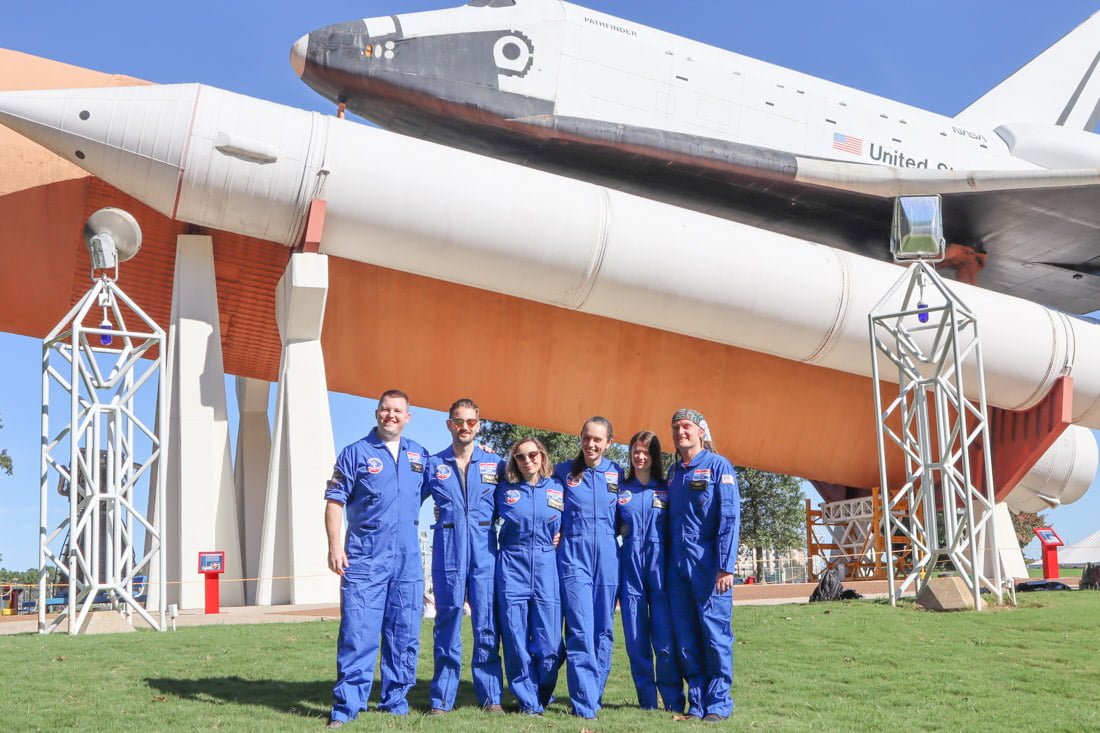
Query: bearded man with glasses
461	480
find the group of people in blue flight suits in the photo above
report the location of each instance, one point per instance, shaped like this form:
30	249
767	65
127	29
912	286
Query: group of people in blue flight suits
532	547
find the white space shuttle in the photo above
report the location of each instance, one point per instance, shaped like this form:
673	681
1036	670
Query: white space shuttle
573	91
772	331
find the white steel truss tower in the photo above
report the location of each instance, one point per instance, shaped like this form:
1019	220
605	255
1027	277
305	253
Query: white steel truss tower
932	343
97	451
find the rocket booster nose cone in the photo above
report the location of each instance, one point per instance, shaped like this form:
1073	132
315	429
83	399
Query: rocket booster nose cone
298	55
133	137
33	114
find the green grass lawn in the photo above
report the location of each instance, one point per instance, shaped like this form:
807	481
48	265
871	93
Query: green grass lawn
852	666
1062	572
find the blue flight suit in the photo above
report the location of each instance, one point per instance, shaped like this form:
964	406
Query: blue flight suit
643	594
528	600
704	530
381	593
464	552
588	565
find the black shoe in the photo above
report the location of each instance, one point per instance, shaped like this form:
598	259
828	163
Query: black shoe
713	718
437	711
494	709
334	724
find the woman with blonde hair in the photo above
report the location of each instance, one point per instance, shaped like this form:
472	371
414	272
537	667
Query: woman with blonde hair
529	505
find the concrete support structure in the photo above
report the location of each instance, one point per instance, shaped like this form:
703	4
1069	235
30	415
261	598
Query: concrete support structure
253	458
1008	547
200	509
292	564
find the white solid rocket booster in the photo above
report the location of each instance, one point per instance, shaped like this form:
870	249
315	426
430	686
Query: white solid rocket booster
239	164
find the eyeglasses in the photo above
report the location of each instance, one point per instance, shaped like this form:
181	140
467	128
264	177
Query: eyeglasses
529	456
470	422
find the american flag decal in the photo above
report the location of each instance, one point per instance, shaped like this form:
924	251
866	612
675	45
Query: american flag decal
848	144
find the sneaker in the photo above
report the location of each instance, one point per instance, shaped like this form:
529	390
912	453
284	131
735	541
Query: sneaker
494	709
334	724
713	718
437	711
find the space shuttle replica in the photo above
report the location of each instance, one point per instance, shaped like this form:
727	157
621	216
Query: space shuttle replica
583	215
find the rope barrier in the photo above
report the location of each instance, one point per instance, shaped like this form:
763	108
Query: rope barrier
180	582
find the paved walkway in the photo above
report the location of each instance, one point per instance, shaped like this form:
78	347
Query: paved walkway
743	595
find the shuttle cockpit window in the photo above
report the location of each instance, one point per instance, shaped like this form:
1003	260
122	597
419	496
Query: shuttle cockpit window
491	3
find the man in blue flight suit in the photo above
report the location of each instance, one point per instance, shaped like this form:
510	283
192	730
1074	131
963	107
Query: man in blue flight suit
377	481
462	480
704	509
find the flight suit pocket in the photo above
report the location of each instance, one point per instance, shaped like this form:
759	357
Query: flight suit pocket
446	539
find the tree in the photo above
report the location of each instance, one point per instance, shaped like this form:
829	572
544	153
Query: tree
562	447
501	435
5	460
773	513
1025	524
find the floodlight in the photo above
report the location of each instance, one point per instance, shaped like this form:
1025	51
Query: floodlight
917	231
112	236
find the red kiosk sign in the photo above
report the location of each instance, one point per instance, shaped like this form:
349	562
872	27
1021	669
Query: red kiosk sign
211	565
1050	541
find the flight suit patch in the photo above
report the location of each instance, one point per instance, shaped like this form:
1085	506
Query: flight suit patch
488	472
660	500
700	479
511	496
443	472
374	465
415	461
554	500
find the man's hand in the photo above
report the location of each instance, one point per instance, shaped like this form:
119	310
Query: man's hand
337	560
557	539
724	581
334	524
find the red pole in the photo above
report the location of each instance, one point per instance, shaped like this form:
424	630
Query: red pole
1050	562
213	600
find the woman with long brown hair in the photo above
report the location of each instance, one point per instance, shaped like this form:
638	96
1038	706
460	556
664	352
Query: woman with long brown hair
588	564
643	584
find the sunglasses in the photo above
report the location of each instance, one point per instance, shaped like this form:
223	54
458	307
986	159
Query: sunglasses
529	456
470	422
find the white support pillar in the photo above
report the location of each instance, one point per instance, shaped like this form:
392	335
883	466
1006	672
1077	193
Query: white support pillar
293	550
200	507
1008	547
250	471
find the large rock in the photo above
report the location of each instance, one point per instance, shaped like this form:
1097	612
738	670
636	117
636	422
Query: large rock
106	622
946	594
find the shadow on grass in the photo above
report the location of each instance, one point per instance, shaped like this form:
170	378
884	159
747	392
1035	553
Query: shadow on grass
308	699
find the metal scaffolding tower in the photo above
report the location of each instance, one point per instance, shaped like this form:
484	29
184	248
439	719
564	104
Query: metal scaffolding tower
108	374
932	343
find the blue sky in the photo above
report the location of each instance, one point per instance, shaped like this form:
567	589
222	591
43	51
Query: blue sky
937	55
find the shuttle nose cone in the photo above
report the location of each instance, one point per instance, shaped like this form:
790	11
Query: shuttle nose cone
298	55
